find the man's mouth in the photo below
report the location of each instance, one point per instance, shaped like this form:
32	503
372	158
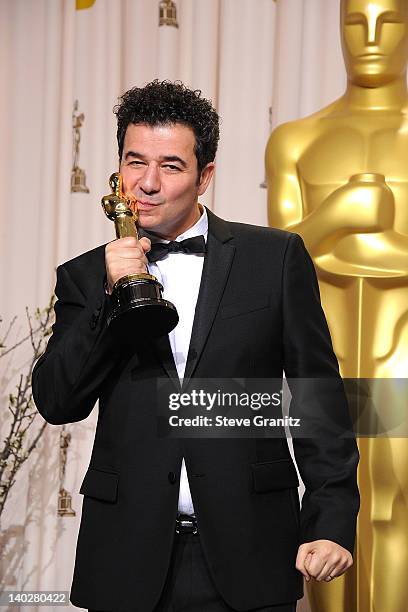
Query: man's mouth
143	205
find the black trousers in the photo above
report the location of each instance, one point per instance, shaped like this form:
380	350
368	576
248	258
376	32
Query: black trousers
189	586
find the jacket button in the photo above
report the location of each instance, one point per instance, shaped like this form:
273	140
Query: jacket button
172	477
94	321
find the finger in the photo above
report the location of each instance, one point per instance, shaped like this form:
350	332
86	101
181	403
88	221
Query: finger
301	564
316	564
146	244
128	241
333	562
130	196
336	567
122	274
132	201
133	253
326	571
306	564
334	570
121	246
343	567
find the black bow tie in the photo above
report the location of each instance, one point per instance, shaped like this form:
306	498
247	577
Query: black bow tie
159	250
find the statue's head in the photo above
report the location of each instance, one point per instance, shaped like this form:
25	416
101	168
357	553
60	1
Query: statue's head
115	183
375	40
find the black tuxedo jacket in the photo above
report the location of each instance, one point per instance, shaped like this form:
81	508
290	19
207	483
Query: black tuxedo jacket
258	312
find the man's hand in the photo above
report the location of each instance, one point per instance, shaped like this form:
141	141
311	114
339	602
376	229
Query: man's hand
125	256
322	560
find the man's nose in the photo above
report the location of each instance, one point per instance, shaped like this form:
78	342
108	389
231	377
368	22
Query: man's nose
150	181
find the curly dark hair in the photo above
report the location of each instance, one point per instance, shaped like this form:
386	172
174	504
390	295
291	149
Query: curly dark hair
164	103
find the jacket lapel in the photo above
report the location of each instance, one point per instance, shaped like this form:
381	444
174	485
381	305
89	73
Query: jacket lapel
165	355
217	264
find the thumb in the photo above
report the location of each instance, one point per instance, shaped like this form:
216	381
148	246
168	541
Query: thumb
145	244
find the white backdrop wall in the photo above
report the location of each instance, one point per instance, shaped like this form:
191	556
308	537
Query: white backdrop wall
246	55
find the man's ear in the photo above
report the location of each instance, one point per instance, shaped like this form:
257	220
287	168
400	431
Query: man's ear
205	178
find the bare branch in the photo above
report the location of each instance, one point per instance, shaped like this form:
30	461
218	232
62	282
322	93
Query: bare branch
17	445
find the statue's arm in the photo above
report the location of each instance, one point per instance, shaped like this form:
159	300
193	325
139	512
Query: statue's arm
336	216
286	206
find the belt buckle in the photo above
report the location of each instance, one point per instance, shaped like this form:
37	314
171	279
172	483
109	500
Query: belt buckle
186	524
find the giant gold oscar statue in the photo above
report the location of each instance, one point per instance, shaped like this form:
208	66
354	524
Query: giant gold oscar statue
340	179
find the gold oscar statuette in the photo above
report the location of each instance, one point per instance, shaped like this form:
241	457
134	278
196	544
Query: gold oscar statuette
339	178
64	497
168	13
137	298
78	175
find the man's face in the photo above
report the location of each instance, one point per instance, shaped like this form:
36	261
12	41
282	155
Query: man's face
374	40
159	168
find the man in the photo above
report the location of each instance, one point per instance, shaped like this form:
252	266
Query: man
249	307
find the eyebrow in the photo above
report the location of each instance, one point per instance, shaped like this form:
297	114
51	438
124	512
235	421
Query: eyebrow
168	158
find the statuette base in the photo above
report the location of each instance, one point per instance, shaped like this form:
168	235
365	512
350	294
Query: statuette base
137	300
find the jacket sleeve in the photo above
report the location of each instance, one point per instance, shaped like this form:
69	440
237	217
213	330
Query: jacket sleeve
81	352
326	451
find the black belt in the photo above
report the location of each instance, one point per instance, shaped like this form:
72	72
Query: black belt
186	523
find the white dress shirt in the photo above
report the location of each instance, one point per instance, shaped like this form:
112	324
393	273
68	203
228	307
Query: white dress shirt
180	275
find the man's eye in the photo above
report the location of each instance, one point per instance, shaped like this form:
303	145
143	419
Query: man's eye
136	162
171	167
